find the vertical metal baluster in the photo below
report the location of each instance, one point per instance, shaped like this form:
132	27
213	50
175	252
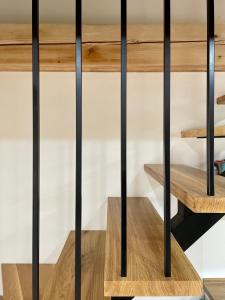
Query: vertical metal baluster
36	149
78	212
166	132
210	95
124	138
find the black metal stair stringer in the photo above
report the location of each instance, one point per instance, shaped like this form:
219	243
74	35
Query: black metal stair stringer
187	226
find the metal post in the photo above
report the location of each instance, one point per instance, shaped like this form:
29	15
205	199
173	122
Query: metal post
210	95
36	149
78	212
124	138
166	132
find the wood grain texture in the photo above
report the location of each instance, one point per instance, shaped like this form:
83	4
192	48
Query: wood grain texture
17	280
11	284
20	34
145	256
105	57
190	187
101	49
221	100
201	132
215	288
62	283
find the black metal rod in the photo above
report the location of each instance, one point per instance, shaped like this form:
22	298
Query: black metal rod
123	138
36	149
78	205
166	133
210	95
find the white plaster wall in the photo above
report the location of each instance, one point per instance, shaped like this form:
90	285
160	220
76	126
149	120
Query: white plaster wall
101	154
108	11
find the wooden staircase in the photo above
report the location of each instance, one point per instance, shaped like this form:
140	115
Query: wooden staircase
101	263
189	186
219	131
57	281
145	256
17	280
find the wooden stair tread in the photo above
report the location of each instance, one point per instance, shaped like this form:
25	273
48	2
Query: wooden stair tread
219	131
215	288
17	280
145	275
11	283
189	186
62	283
221	100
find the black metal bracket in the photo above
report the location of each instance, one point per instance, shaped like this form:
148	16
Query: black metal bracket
187	226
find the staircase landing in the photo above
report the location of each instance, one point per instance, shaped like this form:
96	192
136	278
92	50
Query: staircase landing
145	256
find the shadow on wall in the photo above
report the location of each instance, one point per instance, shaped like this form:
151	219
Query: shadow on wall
101	151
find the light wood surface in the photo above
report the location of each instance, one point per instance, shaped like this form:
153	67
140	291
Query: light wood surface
11	34
189	186
215	288
145	275
221	100
219	131
17	280
61	285
11	284
101	49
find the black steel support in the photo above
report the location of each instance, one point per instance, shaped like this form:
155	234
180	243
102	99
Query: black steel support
166	132
123	138
36	149
78	205
188	227
210	96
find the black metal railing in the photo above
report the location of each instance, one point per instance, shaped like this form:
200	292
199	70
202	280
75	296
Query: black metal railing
166	137
210	95
36	149
123	138
78	205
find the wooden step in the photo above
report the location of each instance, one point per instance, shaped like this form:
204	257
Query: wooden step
62	284
17	280
215	288
189	186
11	282
221	100
219	131
145	275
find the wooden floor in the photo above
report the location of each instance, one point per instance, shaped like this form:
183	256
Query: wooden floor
189	186
145	256
219	131
57	282
215	288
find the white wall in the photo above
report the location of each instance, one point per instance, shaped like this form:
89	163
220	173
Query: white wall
101	176
108	12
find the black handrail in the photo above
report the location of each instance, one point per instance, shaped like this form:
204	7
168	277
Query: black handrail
36	149
123	138
166	138
210	95
78	205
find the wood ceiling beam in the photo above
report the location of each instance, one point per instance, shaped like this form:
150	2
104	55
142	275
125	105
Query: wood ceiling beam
101	50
